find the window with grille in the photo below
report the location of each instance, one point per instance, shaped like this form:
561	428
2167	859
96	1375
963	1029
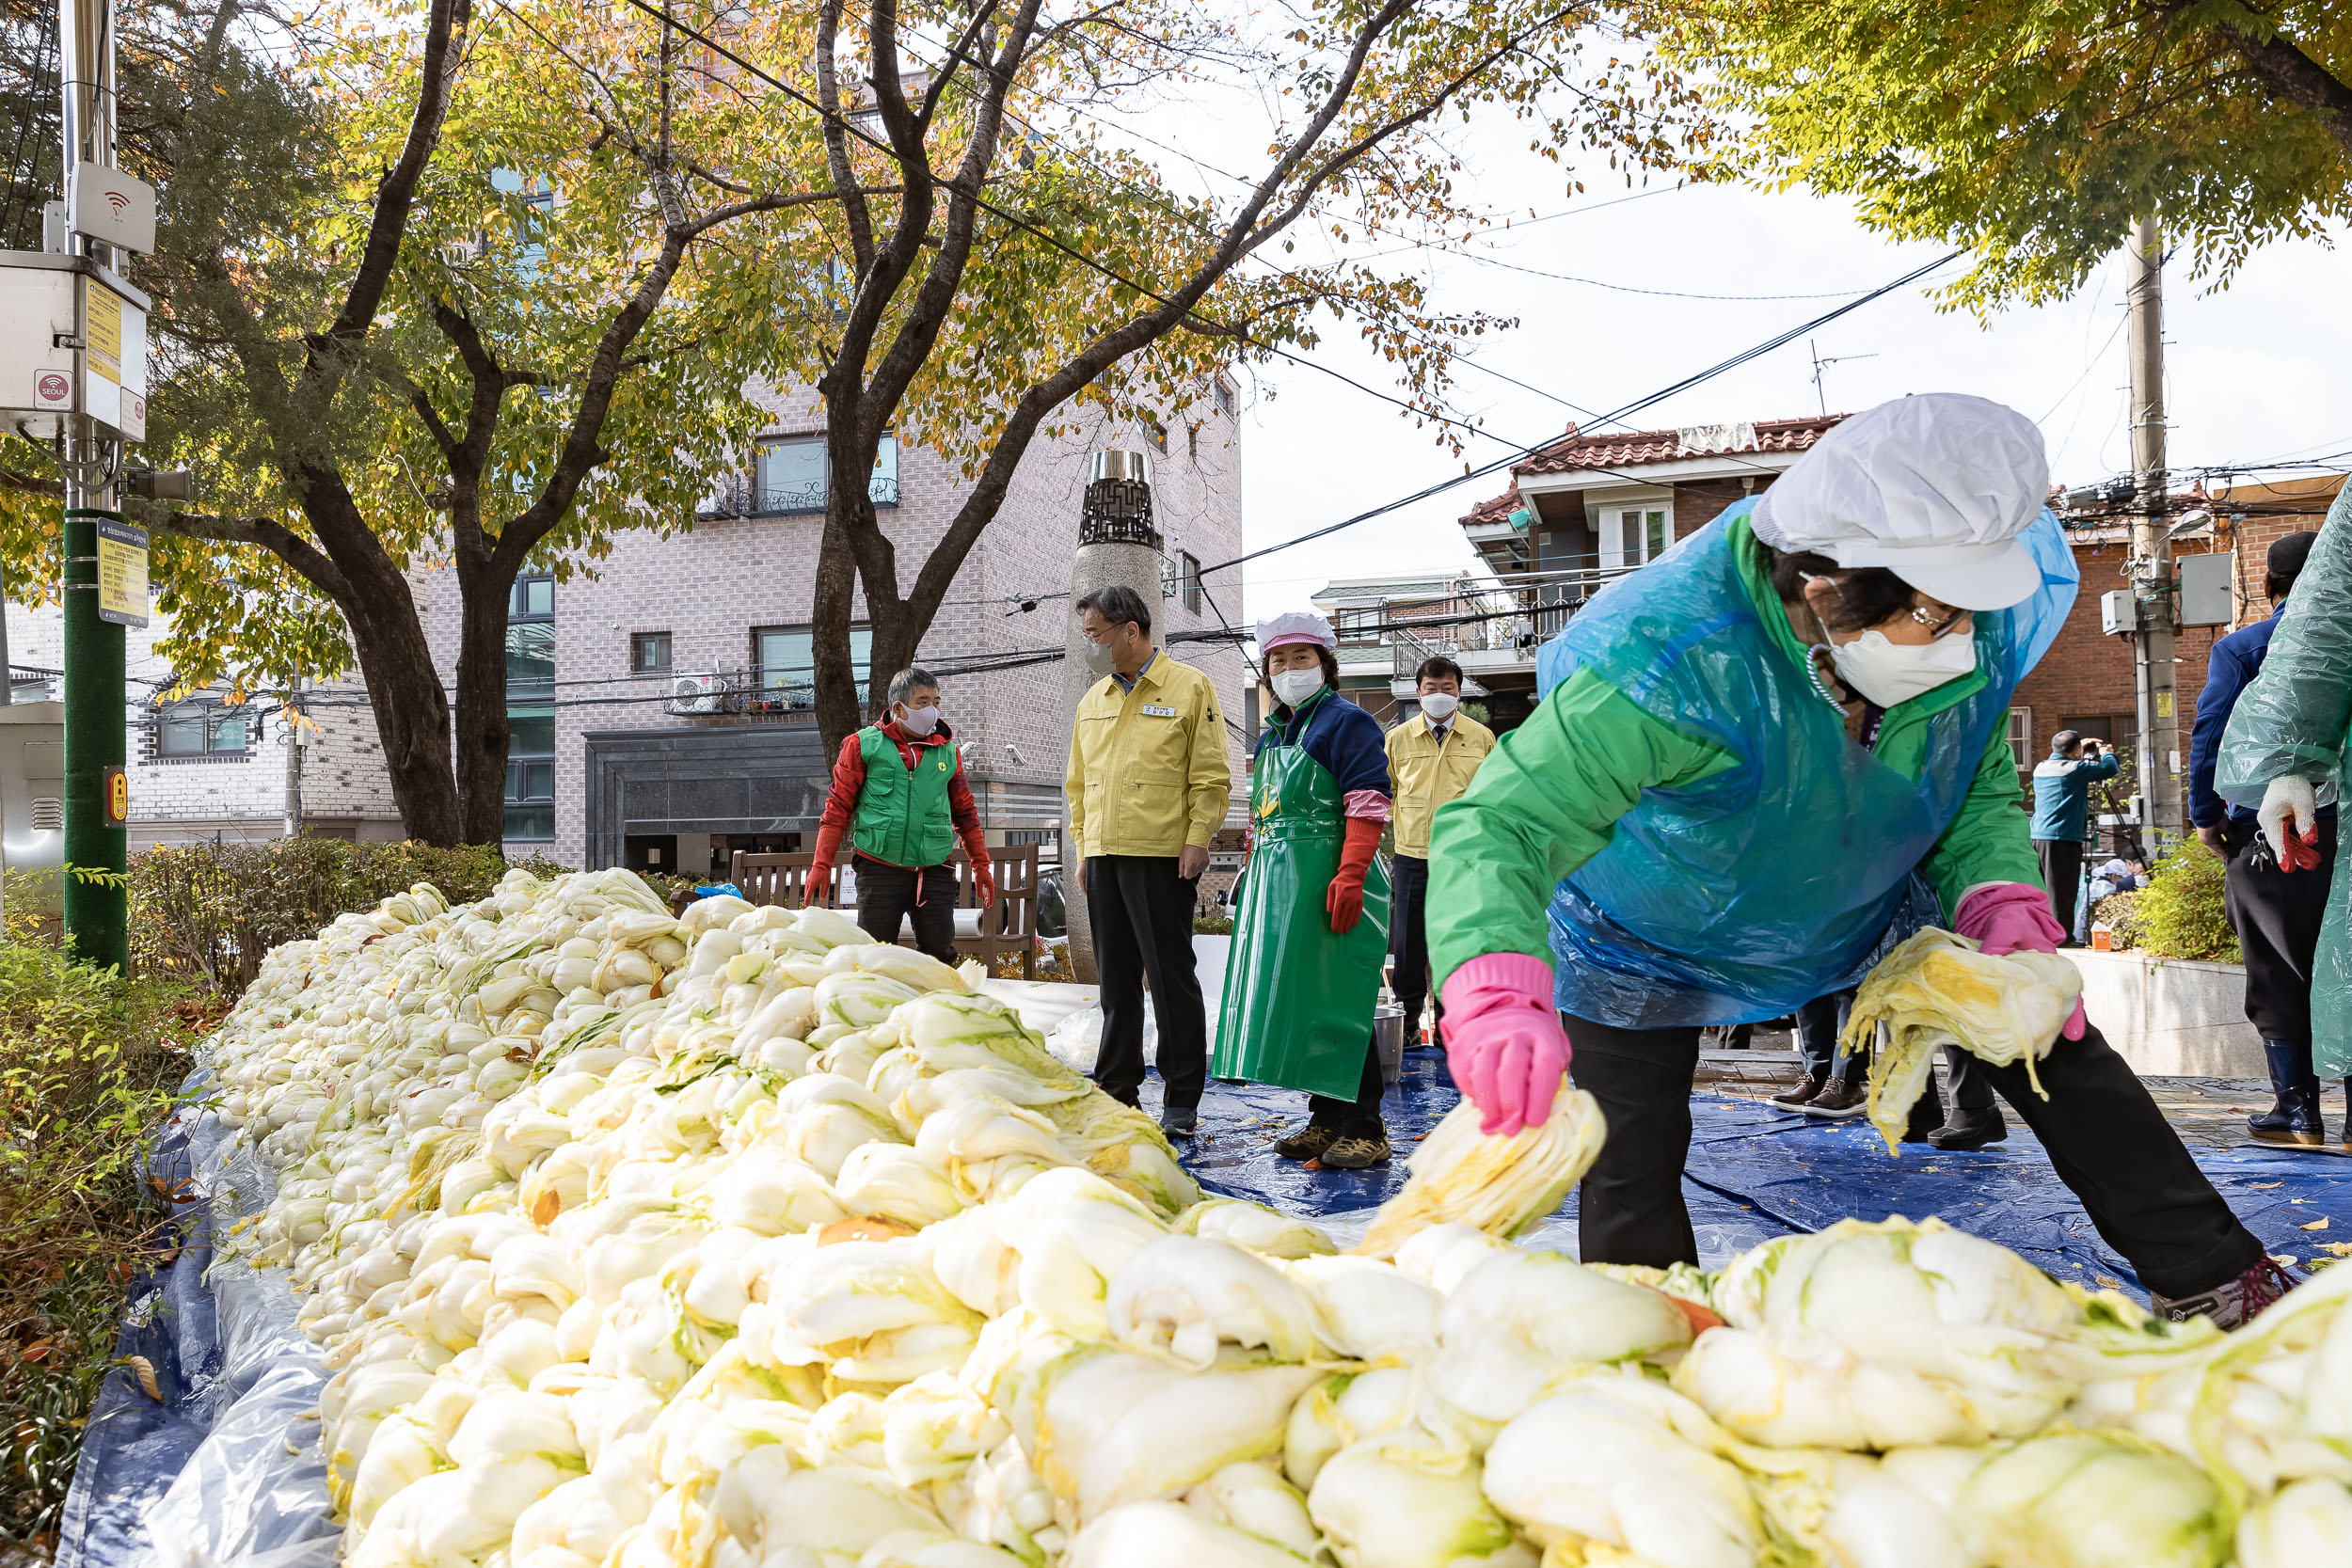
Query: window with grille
785	660
2020	735
790	477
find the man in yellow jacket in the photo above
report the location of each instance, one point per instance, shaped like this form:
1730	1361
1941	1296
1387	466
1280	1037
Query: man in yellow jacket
1432	758
1147	783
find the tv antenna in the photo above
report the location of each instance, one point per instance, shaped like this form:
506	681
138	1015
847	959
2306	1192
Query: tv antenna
1819	363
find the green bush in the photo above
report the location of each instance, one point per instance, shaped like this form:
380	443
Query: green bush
2120	913
2180	915
213	910
89	1070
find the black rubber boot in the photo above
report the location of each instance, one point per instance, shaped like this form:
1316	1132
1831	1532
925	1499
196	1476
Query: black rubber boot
2296	1118
1971	1129
1927	1115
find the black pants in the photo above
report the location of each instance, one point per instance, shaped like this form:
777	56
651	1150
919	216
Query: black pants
2062	873
1408	946
2278	914
2107	1138
1360	1117
1140	912
1818	1023
887	894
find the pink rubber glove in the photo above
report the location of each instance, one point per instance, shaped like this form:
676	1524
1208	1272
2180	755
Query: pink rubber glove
1502	1040
2014	917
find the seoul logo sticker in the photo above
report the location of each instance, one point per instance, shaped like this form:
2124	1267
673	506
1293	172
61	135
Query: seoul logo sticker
53	389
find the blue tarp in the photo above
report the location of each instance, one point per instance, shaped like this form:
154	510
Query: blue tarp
225	1471
1756	1172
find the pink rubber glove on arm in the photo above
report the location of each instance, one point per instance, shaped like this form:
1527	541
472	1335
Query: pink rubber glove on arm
1504	1042
2014	917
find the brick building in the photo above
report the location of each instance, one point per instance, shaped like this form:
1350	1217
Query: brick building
661	699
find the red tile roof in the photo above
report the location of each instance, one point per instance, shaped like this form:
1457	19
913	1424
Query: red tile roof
1639	449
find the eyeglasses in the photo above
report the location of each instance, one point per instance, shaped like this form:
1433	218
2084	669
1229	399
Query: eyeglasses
1938	625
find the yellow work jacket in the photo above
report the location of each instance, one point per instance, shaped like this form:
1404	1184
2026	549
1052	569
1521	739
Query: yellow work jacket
1148	771
1427	774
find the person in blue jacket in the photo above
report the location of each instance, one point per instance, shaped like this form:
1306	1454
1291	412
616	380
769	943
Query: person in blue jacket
2276	915
2061	812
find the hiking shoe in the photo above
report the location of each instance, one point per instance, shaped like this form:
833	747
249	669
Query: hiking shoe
1805	1093
1179	1121
1306	1143
1837	1100
1356	1152
2231	1305
1971	1129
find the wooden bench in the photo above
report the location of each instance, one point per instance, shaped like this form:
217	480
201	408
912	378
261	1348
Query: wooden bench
1008	927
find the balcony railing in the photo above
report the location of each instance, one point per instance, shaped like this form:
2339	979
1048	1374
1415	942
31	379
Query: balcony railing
1515	612
743	495
31	684
776	696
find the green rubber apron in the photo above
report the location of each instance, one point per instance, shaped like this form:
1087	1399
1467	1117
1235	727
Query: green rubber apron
1298	996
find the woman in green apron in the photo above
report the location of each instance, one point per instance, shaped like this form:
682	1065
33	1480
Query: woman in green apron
1312	929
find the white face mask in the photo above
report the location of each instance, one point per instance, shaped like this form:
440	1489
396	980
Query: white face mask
1295	685
920	720
1891	673
1100	659
1439	705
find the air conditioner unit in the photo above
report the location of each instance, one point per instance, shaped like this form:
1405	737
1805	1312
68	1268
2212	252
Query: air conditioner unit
698	694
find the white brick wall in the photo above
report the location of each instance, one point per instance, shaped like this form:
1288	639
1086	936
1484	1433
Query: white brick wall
708	588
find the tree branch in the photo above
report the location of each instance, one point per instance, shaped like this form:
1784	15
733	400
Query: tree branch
273	536
838	139
2290	73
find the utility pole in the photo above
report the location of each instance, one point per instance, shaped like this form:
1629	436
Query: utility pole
2151	565
293	762
96	798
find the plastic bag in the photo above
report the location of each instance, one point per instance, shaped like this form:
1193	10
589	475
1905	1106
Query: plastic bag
1749	893
2291	719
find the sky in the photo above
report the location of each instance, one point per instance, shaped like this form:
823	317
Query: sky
2258	372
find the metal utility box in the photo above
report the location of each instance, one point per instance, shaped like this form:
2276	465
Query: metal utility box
2117	613
32	799
73	348
2207	597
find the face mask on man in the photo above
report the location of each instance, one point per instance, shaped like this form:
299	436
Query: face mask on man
1889	672
1439	705
1101	658
920	720
1295	685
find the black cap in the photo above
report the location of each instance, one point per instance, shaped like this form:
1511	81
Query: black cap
2287	555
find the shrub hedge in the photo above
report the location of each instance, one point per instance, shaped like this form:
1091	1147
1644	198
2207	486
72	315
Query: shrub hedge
2180	913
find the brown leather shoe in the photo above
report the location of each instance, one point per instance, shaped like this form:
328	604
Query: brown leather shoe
1805	1093
1356	1153
1306	1143
1837	1100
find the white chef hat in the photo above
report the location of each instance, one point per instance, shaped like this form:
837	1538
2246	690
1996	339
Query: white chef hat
1294	626
1935	489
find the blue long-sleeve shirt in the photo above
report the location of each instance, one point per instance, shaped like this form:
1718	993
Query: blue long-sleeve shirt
2061	793
2236	659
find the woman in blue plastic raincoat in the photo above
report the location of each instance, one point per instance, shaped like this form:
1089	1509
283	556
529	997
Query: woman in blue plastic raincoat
1760	762
2284	754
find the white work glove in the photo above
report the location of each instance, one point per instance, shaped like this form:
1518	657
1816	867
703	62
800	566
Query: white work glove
2289	804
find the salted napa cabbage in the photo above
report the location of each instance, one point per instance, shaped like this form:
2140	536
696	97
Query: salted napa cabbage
2082	1500
1268	1232
1170	1535
1500	1185
1384	1506
1521	1321
1255	1499
1367	1310
2307	1523
1185	1295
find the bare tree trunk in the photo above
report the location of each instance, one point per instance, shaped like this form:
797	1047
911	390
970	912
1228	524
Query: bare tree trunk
835	676
482	698
411	709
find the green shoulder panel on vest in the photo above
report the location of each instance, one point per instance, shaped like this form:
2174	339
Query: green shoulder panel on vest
903	817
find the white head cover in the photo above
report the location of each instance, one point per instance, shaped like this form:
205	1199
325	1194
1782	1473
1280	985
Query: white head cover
1294	626
1935	489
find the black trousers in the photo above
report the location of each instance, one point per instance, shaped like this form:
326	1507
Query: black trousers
2278	915
2104	1135
1140	912
1819	1025
2062	873
1408	946
1360	1117
888	895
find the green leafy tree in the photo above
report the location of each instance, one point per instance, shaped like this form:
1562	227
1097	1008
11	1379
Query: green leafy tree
2035	131
1001	267
443	295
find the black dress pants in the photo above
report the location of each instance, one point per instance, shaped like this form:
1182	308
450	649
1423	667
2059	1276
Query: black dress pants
888	895
2278	915
1408	946
2104	1135
1140	912
2062	874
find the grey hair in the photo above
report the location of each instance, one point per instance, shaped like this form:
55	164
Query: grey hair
907	682
1115	603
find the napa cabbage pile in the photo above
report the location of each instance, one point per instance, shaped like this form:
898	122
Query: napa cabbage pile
739	1241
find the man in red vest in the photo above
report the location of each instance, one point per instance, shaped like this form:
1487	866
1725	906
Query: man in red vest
899	795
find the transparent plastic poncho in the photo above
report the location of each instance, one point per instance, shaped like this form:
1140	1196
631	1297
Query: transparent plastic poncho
1785	876
2291	719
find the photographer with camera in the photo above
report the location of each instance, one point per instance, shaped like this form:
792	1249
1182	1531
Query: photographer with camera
2061	812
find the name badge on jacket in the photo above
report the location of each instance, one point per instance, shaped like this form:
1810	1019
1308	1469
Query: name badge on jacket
1151	711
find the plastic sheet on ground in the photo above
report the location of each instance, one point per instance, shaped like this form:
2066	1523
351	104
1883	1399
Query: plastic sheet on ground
1756	1172
224	1471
